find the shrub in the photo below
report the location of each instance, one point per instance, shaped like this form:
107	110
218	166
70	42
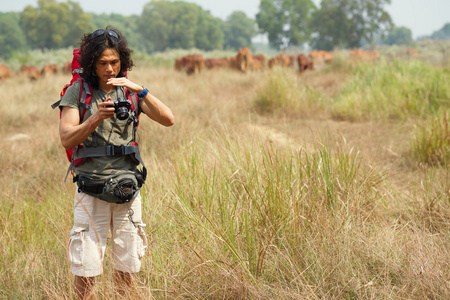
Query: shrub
431	144
397	90
282	92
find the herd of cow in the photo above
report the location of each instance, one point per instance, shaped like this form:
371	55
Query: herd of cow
34	73
244	61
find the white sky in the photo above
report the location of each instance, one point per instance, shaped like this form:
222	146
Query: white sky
423	17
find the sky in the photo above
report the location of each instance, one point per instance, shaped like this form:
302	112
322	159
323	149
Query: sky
423	17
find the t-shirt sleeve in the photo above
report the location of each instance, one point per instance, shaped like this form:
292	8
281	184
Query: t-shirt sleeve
71	97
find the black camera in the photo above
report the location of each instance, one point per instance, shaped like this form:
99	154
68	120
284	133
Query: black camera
122	108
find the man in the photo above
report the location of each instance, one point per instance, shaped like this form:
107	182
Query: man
105	58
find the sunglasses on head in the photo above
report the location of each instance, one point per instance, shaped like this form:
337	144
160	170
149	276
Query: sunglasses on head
100	32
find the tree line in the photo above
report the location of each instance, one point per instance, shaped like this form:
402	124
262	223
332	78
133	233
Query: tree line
166	25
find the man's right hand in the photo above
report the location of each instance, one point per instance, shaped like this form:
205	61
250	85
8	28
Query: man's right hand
106	109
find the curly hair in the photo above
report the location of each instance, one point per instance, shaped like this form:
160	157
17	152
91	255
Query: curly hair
92	48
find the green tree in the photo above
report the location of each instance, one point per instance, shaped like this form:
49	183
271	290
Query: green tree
399	36
209	34
179	25
239	31
442	34
54	25
345	23
11	35
128	25
286	22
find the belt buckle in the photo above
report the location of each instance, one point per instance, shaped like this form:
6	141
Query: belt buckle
117	150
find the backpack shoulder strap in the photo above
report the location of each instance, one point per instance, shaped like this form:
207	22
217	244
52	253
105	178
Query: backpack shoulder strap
134	117
85	97
134	101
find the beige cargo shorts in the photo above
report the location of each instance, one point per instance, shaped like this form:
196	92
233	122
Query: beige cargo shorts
93	218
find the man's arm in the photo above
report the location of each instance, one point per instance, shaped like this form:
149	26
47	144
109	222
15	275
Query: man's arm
72	133
157	110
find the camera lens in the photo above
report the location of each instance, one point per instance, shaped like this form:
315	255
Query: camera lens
122	113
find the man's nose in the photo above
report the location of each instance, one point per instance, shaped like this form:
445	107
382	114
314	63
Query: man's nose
109	67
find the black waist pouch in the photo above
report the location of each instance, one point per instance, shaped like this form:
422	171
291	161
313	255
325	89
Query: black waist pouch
118	188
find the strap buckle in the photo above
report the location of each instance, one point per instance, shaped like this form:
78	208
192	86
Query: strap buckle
117	150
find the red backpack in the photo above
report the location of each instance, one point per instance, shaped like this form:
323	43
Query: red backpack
77	154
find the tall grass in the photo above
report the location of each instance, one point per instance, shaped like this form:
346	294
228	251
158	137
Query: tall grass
398	90
283	92
431	143
262	208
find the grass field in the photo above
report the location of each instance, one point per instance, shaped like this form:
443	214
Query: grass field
333	184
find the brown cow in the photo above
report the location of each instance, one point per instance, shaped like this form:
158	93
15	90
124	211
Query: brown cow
412	52
291	60
67	68
304	63
372	55
192	64
280	59
50	70
5	72
30	72
261	59
233	63
273	62
257	65
244	60
213	63
180	63
320	56
314	54
365	55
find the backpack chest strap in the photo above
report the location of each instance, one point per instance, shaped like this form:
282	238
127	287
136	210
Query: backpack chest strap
111	150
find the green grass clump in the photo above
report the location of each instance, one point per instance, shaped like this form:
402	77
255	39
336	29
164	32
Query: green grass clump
398	90
282	91
431	143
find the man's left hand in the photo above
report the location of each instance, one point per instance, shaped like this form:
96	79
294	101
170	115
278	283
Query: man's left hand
123	81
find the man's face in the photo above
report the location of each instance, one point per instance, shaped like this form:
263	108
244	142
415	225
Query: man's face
107	66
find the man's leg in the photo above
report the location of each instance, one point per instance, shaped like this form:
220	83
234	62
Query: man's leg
123	282
128	242
88	242
84	287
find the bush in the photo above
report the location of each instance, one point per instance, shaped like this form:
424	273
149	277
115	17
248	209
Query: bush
282	92
397	90
431	144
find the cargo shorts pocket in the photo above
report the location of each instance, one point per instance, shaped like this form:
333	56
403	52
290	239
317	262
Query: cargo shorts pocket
142	242
76	244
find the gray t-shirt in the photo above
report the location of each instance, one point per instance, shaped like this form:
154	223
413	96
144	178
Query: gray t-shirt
111	131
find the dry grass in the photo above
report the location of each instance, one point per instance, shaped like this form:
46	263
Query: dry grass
283	205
